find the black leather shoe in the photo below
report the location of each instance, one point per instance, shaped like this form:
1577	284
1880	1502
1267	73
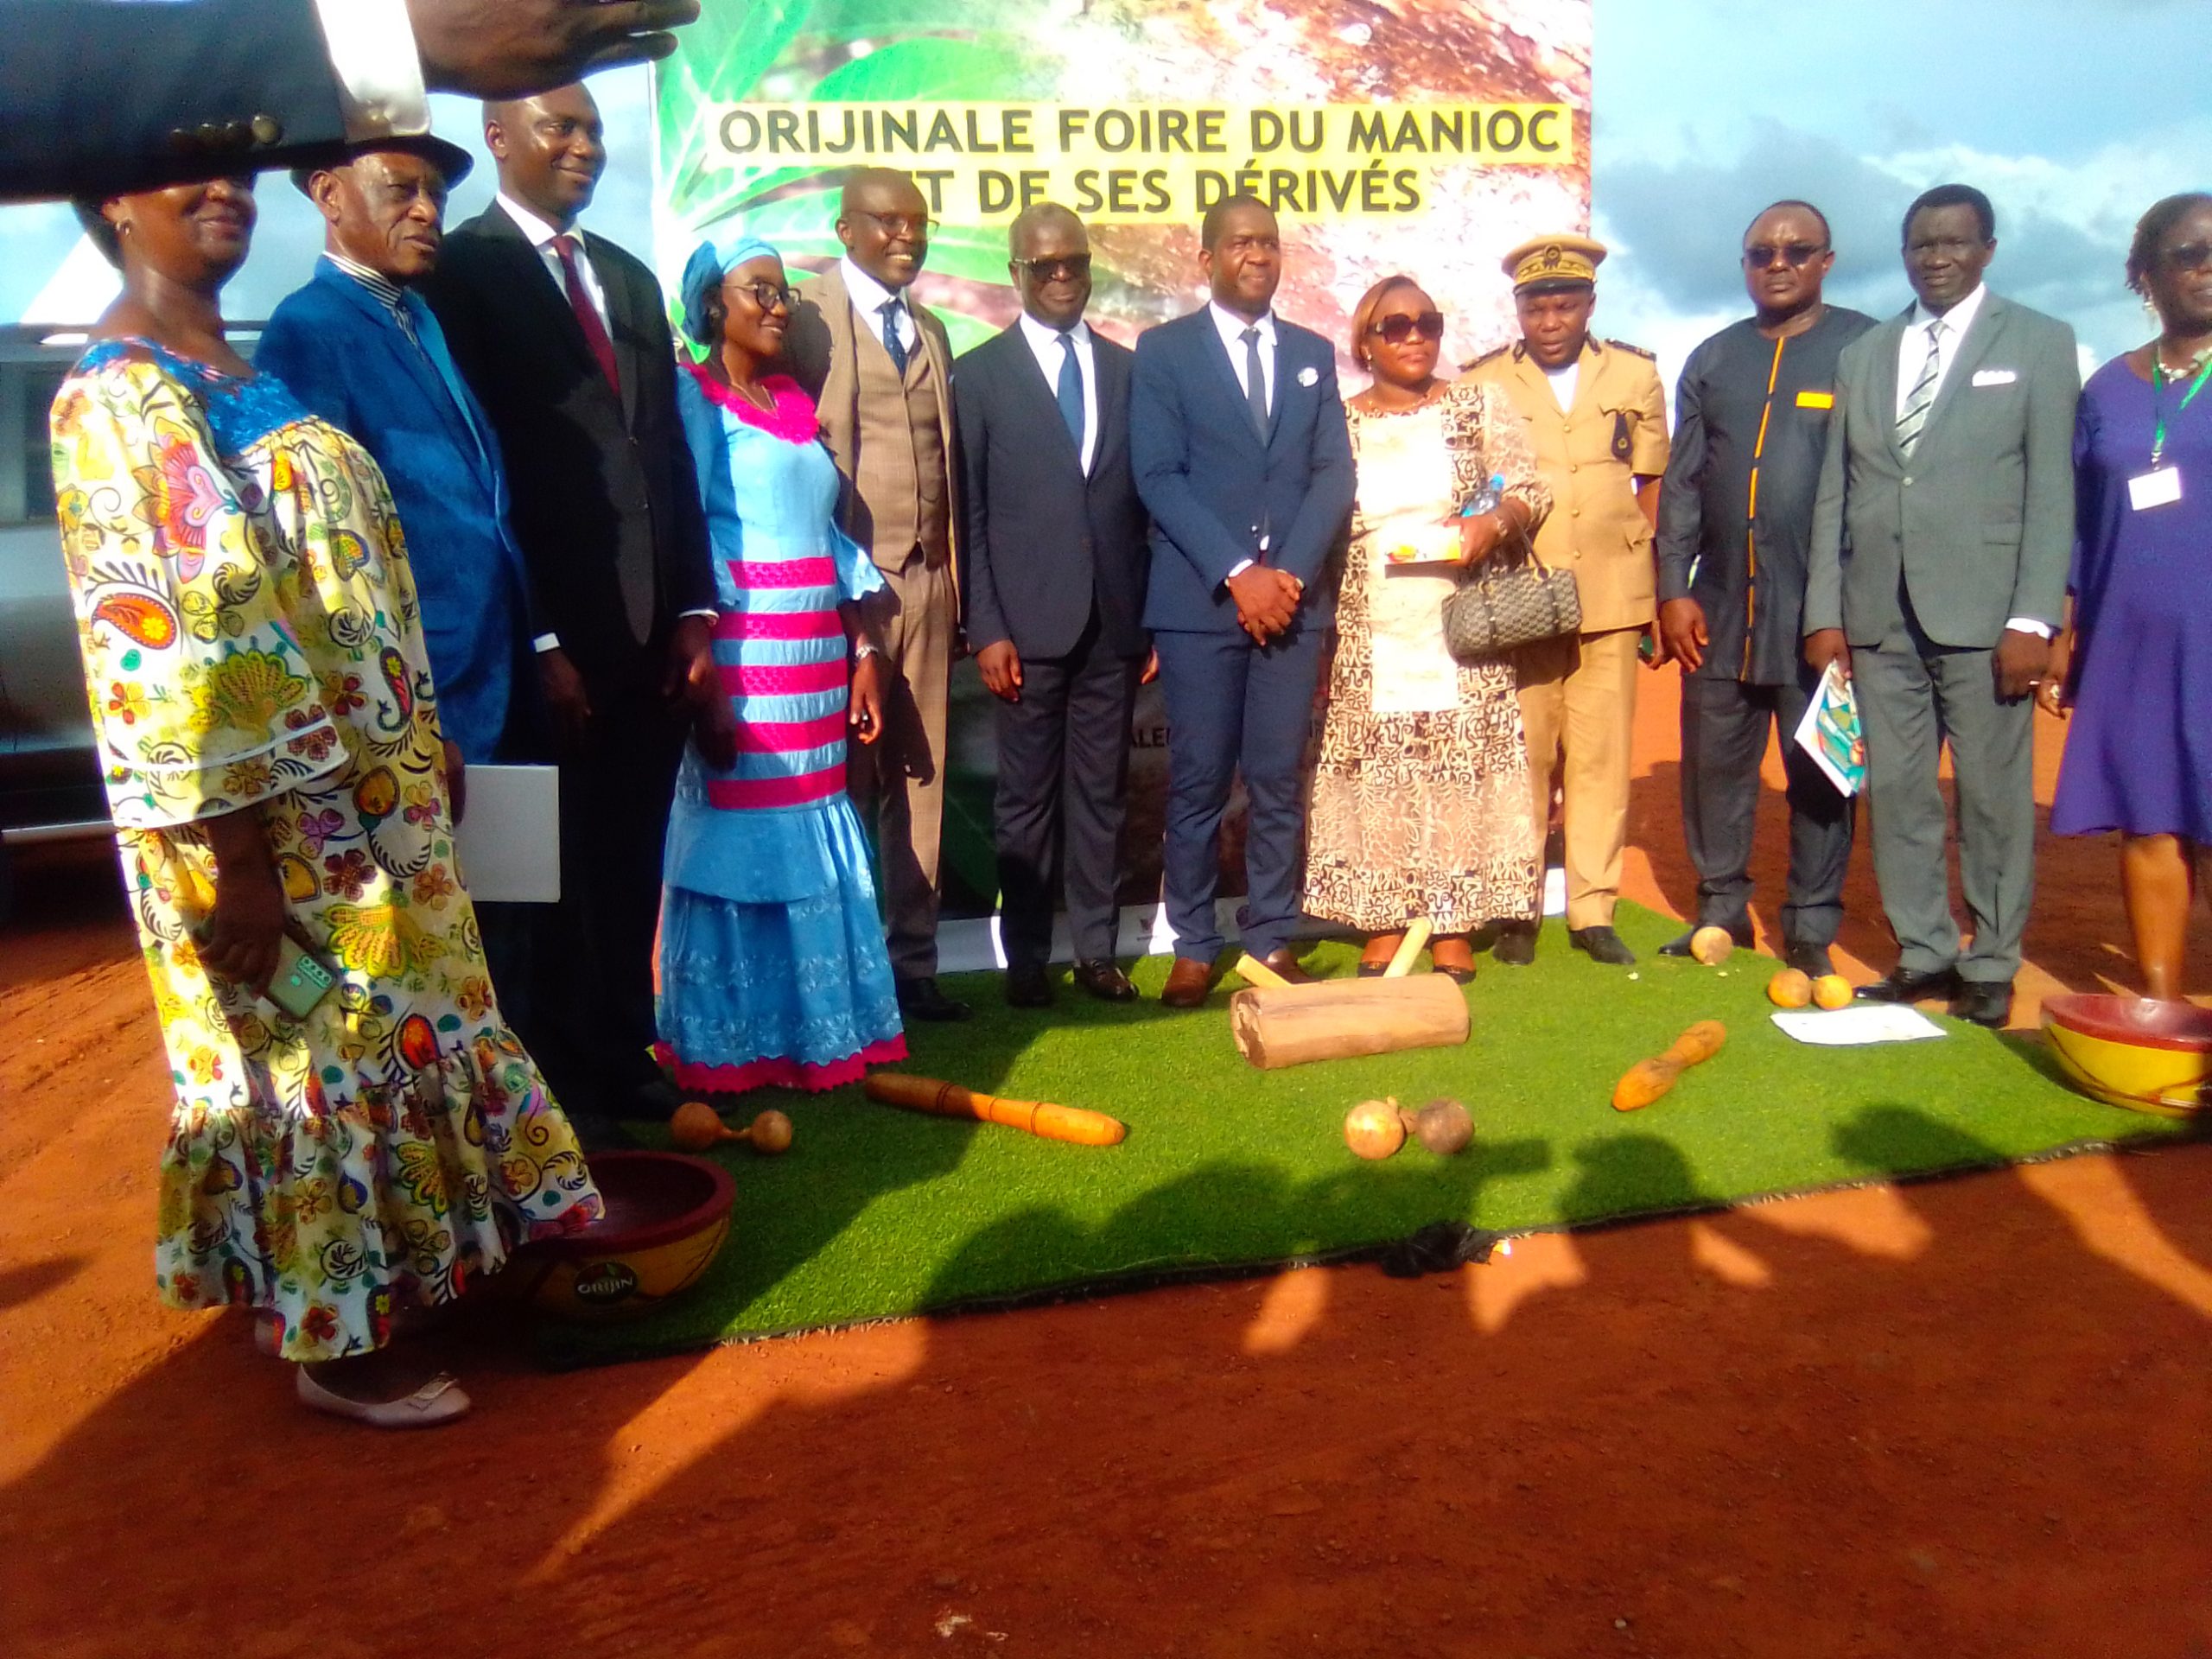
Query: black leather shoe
1028	987
919	999
1601	944
1903	985
1986	1001
1680	945
1104	979
1809	959
1515	944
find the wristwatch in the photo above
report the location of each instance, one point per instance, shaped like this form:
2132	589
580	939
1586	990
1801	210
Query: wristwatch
865	649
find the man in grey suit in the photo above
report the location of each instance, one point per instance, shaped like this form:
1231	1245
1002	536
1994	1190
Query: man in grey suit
1941	535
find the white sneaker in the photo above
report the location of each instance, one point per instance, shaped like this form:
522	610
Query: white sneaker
437	1402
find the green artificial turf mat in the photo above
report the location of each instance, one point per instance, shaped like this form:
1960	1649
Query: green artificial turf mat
877	1213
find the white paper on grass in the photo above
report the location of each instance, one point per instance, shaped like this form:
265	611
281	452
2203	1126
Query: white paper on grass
509	841
1857	1025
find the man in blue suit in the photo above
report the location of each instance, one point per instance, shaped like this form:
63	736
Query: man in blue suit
362	349
359	347
1237	436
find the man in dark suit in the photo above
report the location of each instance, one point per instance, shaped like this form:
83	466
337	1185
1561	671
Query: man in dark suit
1735	517
564	339
202	88
1053	562
1941	536
1238	433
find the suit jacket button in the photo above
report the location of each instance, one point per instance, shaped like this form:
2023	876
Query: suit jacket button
237	135
210	134
183	140
1908	483
267	129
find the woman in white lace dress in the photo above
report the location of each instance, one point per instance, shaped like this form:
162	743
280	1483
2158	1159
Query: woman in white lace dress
1420	797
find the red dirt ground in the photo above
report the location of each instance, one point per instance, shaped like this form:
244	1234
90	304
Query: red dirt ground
1960	1419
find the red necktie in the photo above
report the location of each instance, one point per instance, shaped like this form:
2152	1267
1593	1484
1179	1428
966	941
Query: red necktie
587	317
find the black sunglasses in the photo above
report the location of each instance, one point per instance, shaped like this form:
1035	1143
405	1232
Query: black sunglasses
766	294
1430	325
2189	256
1798	254
1059	267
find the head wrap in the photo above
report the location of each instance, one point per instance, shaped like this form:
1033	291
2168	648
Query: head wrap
710	262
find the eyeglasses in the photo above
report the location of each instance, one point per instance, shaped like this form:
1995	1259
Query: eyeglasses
1064	268
1798	254
2189	256
1430	325
769	297
911	227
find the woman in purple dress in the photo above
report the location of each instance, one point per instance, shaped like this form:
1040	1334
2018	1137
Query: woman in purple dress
2135	663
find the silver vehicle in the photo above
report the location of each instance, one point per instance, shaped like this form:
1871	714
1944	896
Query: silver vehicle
49	780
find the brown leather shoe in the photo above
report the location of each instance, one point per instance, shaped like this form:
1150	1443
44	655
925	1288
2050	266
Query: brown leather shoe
1281	961
1188	982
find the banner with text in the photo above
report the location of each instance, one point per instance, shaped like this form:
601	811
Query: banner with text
1425	139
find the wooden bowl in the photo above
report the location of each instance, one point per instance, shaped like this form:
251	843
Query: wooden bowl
667	1217
2131	1052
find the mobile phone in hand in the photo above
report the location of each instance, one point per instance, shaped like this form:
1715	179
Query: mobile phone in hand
300	982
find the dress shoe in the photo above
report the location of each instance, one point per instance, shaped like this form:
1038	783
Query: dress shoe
1188	982
437	1402
1282	962
919	999
1026	986
1903	985
1601	944
1680	945
1103	978
1809	959
1515	944
1986	1001
652	1102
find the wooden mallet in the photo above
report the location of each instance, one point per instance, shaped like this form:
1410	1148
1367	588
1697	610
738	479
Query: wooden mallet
697	1126
1038	1117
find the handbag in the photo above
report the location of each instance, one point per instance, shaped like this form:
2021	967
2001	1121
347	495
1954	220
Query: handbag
1500	607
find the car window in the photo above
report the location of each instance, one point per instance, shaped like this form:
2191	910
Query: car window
26	467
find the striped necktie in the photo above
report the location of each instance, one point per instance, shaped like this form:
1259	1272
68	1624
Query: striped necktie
1913	419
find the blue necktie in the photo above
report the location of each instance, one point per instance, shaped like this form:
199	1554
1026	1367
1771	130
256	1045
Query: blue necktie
892	343
1255	381
1069	391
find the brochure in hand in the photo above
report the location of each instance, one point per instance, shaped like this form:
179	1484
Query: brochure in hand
1830	733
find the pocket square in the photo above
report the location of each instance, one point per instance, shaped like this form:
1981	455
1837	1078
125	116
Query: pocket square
1995	377
1308	375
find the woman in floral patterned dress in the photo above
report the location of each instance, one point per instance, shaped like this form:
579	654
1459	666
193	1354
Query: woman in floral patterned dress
263	702
1420	795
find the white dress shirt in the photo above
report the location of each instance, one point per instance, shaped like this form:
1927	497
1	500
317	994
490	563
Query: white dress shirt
1044	346
1912	345
1912	357
867	296
540	232
1232	328
372	47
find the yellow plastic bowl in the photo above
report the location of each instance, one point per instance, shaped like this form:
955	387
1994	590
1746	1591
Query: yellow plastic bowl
667	1217
2131	1052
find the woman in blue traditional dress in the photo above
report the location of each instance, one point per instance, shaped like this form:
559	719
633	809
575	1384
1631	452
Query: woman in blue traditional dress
2135	664
772	969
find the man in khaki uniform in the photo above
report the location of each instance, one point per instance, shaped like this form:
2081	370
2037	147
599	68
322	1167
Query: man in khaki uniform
880	370
1597	417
